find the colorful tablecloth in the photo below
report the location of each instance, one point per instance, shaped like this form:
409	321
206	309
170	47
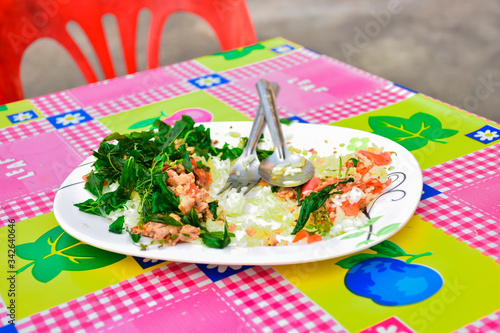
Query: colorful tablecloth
53	282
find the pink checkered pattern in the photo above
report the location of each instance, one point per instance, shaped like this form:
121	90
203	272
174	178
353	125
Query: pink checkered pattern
352	69
85	136
237	98
274	304
271	65
140	99
25	207
122	302
457	218
463	220
188	69
57	103
463	170
25	130
355	106
488	324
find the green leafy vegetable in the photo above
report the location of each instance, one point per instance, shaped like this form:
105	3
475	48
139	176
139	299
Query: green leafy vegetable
95	183
112	201
213	208
168	220
139	161
105	204
286	121
191	218
135	237
313	202
299	194
181	126
227	152
90	206
262	154
354	161
163	203
200	165
117	226
217	239
128	176
186	160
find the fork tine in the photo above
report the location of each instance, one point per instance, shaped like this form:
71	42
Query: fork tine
244	178
239	187
250	186
228	185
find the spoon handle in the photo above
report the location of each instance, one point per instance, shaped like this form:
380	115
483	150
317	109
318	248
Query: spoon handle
258	126
268	99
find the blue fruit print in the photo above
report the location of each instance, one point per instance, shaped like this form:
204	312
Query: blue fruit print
390	281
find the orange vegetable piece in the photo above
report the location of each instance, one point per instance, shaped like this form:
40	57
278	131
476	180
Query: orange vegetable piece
383	158
378	186
203	176
362	169
311	184
251	231
350	210
300	235
314	238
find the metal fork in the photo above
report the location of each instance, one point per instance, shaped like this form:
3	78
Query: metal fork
245	172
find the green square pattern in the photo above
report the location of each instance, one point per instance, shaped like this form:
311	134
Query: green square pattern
433	131
223	61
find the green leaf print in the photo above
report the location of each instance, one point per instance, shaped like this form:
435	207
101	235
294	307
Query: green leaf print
57	251
388	229
355	259
388	248
368	241
146	122
413	133
241	52
3	107
385	249
354	235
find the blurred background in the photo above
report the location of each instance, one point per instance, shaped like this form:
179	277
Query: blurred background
447	49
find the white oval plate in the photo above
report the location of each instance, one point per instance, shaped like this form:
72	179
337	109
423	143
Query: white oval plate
395	207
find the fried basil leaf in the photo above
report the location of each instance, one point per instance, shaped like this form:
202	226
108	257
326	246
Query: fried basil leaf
217	239
117	226
167	220
191	218
95	183
313	202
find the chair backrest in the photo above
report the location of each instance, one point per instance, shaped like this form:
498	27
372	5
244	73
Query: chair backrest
23	22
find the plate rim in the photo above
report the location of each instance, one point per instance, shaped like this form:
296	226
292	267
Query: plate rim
274	259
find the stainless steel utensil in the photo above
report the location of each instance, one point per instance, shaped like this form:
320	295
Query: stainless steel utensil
245	172
283	168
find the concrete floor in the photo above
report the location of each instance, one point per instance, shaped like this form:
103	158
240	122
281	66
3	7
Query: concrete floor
448	49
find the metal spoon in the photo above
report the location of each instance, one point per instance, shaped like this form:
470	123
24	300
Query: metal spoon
282	168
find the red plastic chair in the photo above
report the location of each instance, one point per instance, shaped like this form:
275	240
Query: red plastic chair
23	22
